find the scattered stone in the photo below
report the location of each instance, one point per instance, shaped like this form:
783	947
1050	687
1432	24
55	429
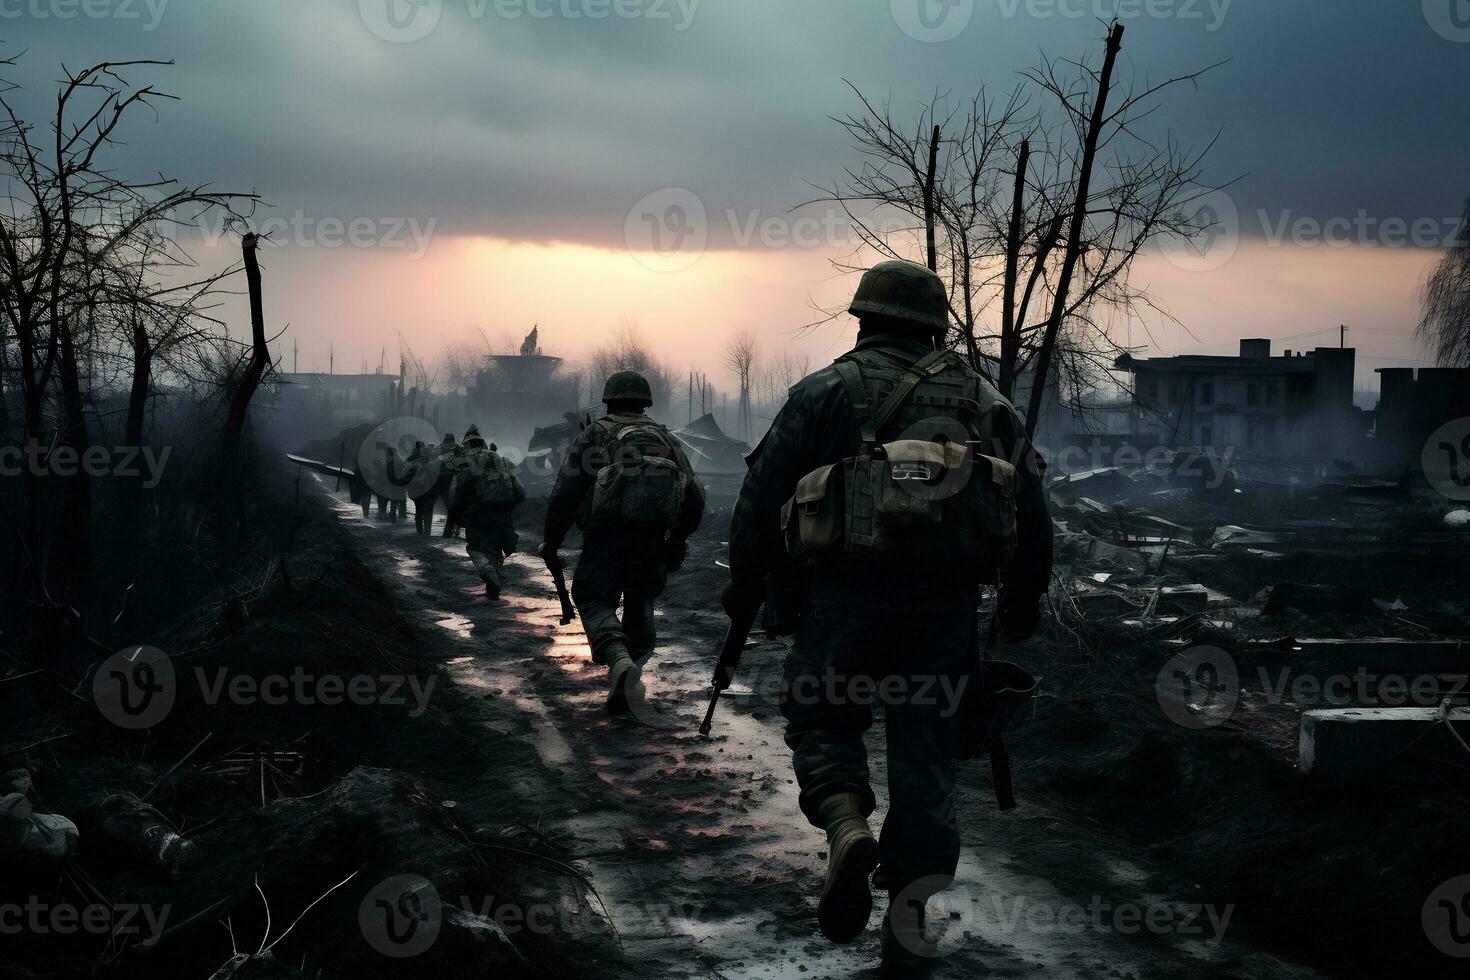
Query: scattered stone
27	837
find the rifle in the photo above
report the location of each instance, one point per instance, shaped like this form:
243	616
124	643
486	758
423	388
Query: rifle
741	622
559	579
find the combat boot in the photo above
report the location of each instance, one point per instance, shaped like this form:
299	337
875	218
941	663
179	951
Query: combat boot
624	679
852	854
907	949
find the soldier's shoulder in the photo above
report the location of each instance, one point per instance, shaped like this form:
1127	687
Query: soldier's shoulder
817	386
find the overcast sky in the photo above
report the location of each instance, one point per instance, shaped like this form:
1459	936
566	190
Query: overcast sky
493	159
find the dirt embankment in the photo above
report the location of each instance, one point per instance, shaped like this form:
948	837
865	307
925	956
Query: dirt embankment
314	750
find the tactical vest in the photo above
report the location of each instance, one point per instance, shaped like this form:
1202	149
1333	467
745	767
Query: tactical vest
927	484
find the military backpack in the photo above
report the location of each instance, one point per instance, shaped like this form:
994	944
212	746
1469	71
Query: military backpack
939	493
491	486
642	482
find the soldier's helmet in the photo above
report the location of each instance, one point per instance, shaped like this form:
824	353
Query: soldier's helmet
473	439
628	386
905	290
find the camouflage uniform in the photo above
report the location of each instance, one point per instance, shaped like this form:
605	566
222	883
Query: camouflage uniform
490	534
878	622
617	563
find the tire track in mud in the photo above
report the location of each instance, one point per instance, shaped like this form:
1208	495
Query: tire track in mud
697	845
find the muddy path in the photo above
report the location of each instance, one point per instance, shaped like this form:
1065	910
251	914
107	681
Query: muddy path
697	847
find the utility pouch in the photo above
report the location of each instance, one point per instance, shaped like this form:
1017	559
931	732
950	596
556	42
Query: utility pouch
940	502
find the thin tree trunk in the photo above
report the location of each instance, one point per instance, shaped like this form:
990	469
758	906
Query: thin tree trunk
1010	337
231	497
1074	234
931	250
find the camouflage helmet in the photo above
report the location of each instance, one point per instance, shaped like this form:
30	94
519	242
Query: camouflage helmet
628	386
905	290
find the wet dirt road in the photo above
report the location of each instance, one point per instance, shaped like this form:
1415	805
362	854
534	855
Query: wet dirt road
697	847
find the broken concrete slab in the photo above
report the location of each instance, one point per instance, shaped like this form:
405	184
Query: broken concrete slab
1343	743
1372	654
1380	654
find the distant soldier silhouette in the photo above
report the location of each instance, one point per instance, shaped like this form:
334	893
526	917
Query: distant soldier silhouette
483	498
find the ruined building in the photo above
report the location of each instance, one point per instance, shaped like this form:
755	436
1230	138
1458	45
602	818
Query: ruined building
1297	404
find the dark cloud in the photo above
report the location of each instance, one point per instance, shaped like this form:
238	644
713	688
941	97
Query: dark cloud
550	128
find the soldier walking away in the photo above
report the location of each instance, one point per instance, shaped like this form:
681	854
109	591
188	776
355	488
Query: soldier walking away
630	488
421	460
482	499
890	487
451	461
397	477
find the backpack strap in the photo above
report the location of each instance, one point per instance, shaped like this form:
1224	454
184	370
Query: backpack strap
857	394
926	367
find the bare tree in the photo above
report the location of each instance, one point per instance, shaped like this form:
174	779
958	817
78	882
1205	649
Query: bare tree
742	351
74	239
1446	322
628	352
1042	209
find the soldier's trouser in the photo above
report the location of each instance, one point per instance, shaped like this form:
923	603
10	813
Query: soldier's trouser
423	514
619	566
906	652
489	544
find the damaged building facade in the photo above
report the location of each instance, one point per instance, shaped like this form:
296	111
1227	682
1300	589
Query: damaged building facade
1296	404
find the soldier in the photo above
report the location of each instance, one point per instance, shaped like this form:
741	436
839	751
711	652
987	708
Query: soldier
886	585
482	499
420	462
451	460
630	488
394	470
